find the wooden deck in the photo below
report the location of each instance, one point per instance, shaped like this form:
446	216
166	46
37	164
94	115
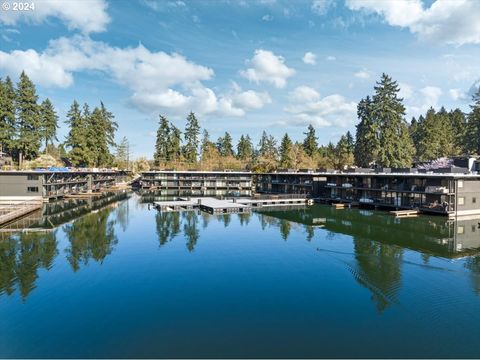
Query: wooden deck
12	208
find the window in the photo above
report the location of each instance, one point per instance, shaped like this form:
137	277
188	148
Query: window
460	229
32	177
474	200
460	183
32	189
461	201
474	228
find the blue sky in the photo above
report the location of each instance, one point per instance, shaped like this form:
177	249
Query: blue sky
242	66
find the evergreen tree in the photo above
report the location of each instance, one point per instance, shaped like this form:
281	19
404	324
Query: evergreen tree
49	120
224	145
192	131
267	146
28	120
162	142
310	144
245	148
459	125
286	155
396	148
473	125
107	128
434	136
350	141
174	150
367	140
7	116
343	155
77	137
122	155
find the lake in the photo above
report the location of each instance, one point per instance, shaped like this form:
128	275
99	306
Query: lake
128	281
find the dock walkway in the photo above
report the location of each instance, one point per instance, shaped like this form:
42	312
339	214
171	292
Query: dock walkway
12	208
225	206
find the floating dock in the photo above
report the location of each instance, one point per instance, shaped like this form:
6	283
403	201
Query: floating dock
405	213
12	208
226	206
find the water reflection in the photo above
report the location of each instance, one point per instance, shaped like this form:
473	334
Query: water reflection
167	226
23	254
378	241
21	257
91	237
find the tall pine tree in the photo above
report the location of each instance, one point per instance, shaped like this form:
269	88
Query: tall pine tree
310	144
367	142
286	155
49	121
7	116
28	120
473	125
192	132
162	141
396	147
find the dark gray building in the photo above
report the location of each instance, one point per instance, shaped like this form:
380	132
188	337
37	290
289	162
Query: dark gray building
201	183
52	184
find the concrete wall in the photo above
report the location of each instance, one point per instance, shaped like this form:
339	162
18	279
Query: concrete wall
469	194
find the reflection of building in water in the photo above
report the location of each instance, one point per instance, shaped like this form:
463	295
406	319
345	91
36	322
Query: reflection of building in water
379	242
91	237
57	213
431	235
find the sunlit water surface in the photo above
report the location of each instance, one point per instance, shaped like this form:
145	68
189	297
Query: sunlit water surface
128	281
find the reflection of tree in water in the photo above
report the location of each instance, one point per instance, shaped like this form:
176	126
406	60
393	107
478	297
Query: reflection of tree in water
206	217
168	226
21	256
378	269
225	218
190	229
310	232
472	263
122	214
92	236
244	218
285	227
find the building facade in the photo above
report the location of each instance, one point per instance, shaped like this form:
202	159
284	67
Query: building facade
200	183
52	184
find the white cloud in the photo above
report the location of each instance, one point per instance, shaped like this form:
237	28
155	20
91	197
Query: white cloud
309	58
308	107
406	91
86	16
362	74
158	81
267	17
330	58
423	100
451	22
268	67
457	94
237	102
321	7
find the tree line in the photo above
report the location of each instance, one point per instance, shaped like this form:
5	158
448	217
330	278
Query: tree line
29	128
383	138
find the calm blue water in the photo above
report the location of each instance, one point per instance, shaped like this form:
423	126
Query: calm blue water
127	281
